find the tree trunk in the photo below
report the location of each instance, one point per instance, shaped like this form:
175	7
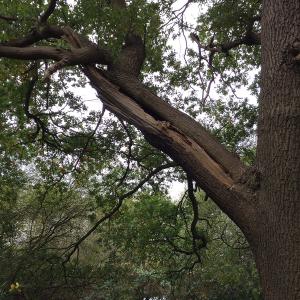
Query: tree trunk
277	250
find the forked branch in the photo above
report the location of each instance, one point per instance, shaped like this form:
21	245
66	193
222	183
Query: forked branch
250	38
215	169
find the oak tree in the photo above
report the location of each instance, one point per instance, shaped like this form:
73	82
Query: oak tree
116	45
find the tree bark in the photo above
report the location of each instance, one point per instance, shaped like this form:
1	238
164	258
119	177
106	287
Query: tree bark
277	250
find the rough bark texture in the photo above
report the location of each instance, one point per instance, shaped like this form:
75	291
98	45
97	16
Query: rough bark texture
277	250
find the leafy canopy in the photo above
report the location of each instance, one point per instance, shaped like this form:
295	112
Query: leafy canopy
66	162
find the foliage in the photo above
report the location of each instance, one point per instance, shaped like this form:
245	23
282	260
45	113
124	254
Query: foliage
139	239
129	257
62	173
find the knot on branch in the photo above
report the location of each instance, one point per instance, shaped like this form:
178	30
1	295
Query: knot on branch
294	50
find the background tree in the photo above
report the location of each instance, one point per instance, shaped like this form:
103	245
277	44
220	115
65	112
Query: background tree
145	251
121	44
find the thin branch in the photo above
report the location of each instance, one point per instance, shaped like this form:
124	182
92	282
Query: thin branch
237	241
129	155
249	38
177	14
177	249
40	125
108	215
149	176
8	18
28	114
89	139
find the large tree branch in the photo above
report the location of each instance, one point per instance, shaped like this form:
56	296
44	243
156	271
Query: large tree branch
82	51
8	18
215	169
233	197
80	56
164	111
31	53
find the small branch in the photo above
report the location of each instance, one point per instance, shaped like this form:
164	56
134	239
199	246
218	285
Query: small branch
36	35
89	139
108	215
177	14
237	241
149	176
250	38
177	249
40	125
49	11
65	61
28	94
8	18
195	234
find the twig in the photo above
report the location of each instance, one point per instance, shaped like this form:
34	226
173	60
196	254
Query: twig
129	155
89	139
108	215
